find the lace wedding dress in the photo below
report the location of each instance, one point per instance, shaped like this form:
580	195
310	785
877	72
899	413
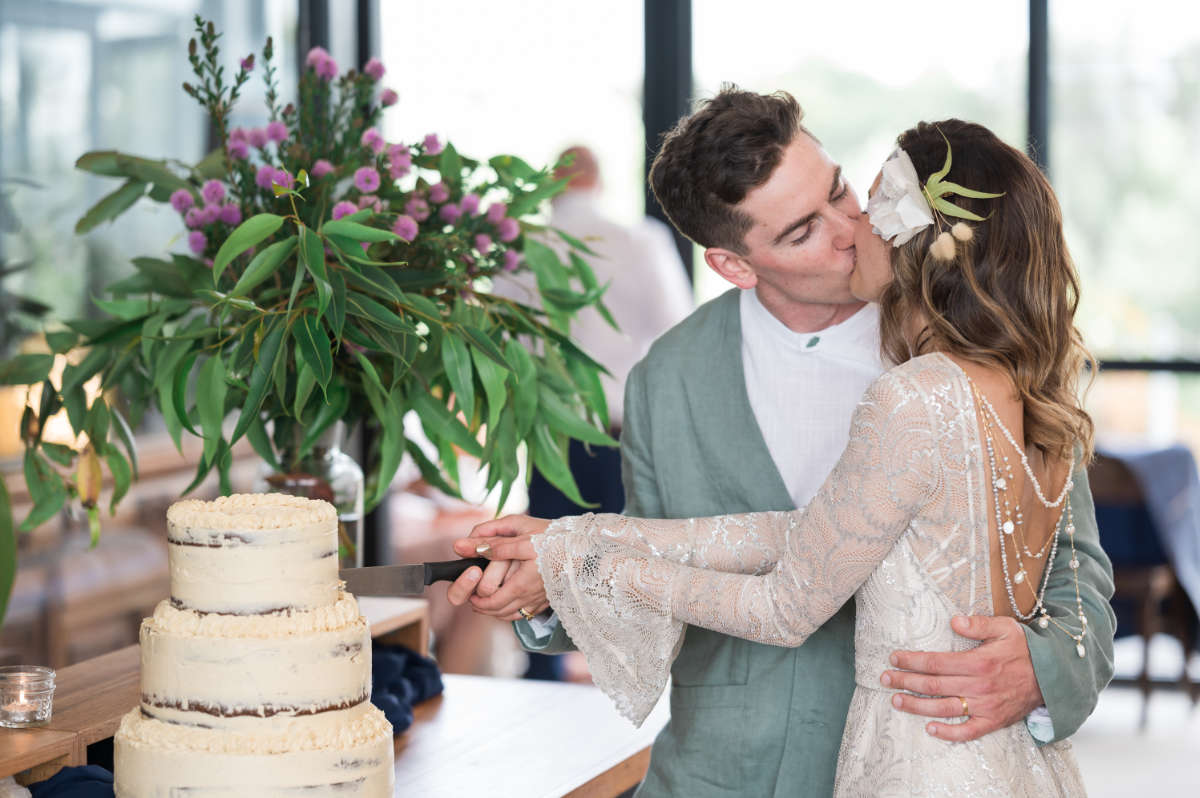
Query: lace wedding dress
901	524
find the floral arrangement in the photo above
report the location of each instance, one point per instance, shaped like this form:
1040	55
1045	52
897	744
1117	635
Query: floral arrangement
330	276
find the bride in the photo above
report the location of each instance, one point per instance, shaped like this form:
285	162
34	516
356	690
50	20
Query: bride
952	497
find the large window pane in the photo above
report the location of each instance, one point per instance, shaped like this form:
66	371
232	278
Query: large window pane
862	83
1124	137
79	76
528	79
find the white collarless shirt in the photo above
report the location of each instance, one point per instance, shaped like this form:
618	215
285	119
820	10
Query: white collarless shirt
803	388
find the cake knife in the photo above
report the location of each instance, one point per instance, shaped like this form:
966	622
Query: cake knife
404	580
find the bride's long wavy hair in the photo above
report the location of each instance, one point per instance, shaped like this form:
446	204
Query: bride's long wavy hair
1008	296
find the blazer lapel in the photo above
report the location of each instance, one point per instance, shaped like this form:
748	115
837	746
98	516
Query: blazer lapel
729	437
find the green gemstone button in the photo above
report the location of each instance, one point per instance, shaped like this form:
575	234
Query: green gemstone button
813	341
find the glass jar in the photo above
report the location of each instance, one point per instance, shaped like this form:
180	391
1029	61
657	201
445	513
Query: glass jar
326	473
26	695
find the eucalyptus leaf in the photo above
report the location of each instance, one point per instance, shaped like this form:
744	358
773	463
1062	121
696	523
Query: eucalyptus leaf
457	362
493	378
62	341
244	236
111	206
260	379
314	347
549	458
210	403
122	477
25	369
357	232
440	424
46	488
560	417
8	550
263	265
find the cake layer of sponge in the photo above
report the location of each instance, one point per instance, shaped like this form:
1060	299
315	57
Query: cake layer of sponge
250	554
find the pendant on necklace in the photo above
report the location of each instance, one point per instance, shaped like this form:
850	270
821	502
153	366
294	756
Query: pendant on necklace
1044	621
1080	650
1020	577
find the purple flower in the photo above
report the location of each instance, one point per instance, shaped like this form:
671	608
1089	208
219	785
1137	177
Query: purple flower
193	218
496	211
238	149
237	134
388	97
315	56
231	215
372	140
374	69
439	193
257	137
450	213
209	214
405	227
417	208
181	200
264	176
508	229
327	69
483	242
470	204
369	201
511	260
284	178
321	168
433	145
399	163
366	179
248	63
277	131
213	192
343	208
197	242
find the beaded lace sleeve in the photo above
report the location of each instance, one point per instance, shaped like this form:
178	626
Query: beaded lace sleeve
624	588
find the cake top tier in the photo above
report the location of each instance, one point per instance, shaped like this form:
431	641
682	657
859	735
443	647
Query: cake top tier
253	554
246	511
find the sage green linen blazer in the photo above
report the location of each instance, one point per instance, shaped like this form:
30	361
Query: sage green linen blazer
748	719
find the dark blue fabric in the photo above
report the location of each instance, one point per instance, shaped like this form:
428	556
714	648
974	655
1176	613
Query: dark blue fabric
400	678
90	781
597	472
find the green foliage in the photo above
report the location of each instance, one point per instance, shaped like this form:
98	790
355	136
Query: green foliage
302	320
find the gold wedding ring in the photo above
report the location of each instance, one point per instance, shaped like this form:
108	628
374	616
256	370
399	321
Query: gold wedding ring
483	548
965	713
527	615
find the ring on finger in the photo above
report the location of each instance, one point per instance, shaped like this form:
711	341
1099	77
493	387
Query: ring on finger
527	615
966	713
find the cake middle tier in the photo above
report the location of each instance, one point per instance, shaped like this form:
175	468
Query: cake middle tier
218	671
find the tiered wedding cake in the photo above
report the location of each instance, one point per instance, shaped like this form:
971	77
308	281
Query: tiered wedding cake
256	674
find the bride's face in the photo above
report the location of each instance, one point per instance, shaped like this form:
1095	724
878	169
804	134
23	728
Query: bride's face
873	260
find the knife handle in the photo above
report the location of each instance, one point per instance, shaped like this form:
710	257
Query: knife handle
451	569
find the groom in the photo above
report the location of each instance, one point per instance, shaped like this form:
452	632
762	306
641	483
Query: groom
746	406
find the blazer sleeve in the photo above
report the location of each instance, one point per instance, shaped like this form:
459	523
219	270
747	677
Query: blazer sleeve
1071	684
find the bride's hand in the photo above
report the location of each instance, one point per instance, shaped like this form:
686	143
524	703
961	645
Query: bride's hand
511	582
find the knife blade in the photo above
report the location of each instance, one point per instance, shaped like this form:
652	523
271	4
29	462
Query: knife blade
404	580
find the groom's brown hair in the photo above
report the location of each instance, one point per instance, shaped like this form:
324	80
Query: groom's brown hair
713	158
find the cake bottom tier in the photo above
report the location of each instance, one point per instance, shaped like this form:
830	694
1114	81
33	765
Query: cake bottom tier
154	759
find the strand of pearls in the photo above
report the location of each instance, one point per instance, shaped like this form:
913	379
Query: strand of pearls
1001	478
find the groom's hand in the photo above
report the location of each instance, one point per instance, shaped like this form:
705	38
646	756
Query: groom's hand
996	680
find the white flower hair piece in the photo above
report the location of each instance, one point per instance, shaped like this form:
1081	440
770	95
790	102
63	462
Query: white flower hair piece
901	207
898	209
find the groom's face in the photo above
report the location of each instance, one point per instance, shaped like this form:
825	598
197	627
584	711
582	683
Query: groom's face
800	248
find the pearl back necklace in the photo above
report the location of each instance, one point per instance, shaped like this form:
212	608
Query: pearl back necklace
1010	523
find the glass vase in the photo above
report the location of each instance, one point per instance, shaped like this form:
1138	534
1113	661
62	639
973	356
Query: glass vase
326	473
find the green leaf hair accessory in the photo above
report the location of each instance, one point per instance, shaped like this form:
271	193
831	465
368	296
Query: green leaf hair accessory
936	190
